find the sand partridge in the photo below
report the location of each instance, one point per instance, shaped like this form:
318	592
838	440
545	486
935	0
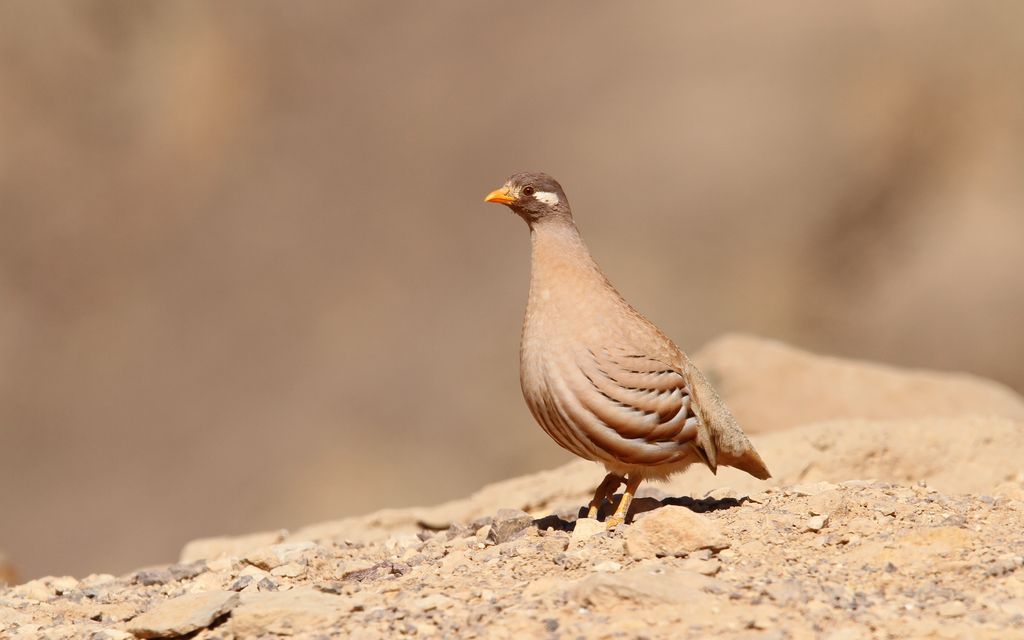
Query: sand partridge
600	378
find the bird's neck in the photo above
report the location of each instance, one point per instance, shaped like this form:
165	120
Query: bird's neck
560	261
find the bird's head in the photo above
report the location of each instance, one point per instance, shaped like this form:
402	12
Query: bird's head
534	196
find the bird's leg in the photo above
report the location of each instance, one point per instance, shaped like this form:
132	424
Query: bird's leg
617	518
607	487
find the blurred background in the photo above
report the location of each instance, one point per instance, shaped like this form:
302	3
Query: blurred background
247	279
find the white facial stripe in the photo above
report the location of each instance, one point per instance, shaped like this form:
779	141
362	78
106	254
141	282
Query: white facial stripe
546	197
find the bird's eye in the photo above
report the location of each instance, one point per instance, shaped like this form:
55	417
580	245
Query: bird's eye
528	191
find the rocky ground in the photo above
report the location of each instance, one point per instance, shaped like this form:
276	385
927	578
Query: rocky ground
906	522
860	559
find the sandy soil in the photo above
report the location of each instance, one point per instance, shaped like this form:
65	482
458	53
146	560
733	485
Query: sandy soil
882	521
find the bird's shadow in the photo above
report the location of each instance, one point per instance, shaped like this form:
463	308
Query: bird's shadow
639	505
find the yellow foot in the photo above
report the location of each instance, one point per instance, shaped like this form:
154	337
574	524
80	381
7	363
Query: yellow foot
621	511
592	513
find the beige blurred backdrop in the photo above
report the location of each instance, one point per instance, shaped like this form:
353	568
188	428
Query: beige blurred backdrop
247	279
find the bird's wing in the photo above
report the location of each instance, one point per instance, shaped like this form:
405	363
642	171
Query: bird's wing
719	435
633	406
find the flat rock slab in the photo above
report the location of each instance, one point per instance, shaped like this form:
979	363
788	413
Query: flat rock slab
227	546
274	556
508	524
183	614
762	373
648	585
289	612
672	531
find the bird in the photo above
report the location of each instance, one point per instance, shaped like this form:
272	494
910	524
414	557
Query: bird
601	379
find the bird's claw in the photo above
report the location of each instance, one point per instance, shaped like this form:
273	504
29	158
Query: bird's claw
613	521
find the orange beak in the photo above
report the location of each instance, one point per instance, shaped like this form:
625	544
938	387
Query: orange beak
501	196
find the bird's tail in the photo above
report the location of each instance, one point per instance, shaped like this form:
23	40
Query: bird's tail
750	461
719	438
